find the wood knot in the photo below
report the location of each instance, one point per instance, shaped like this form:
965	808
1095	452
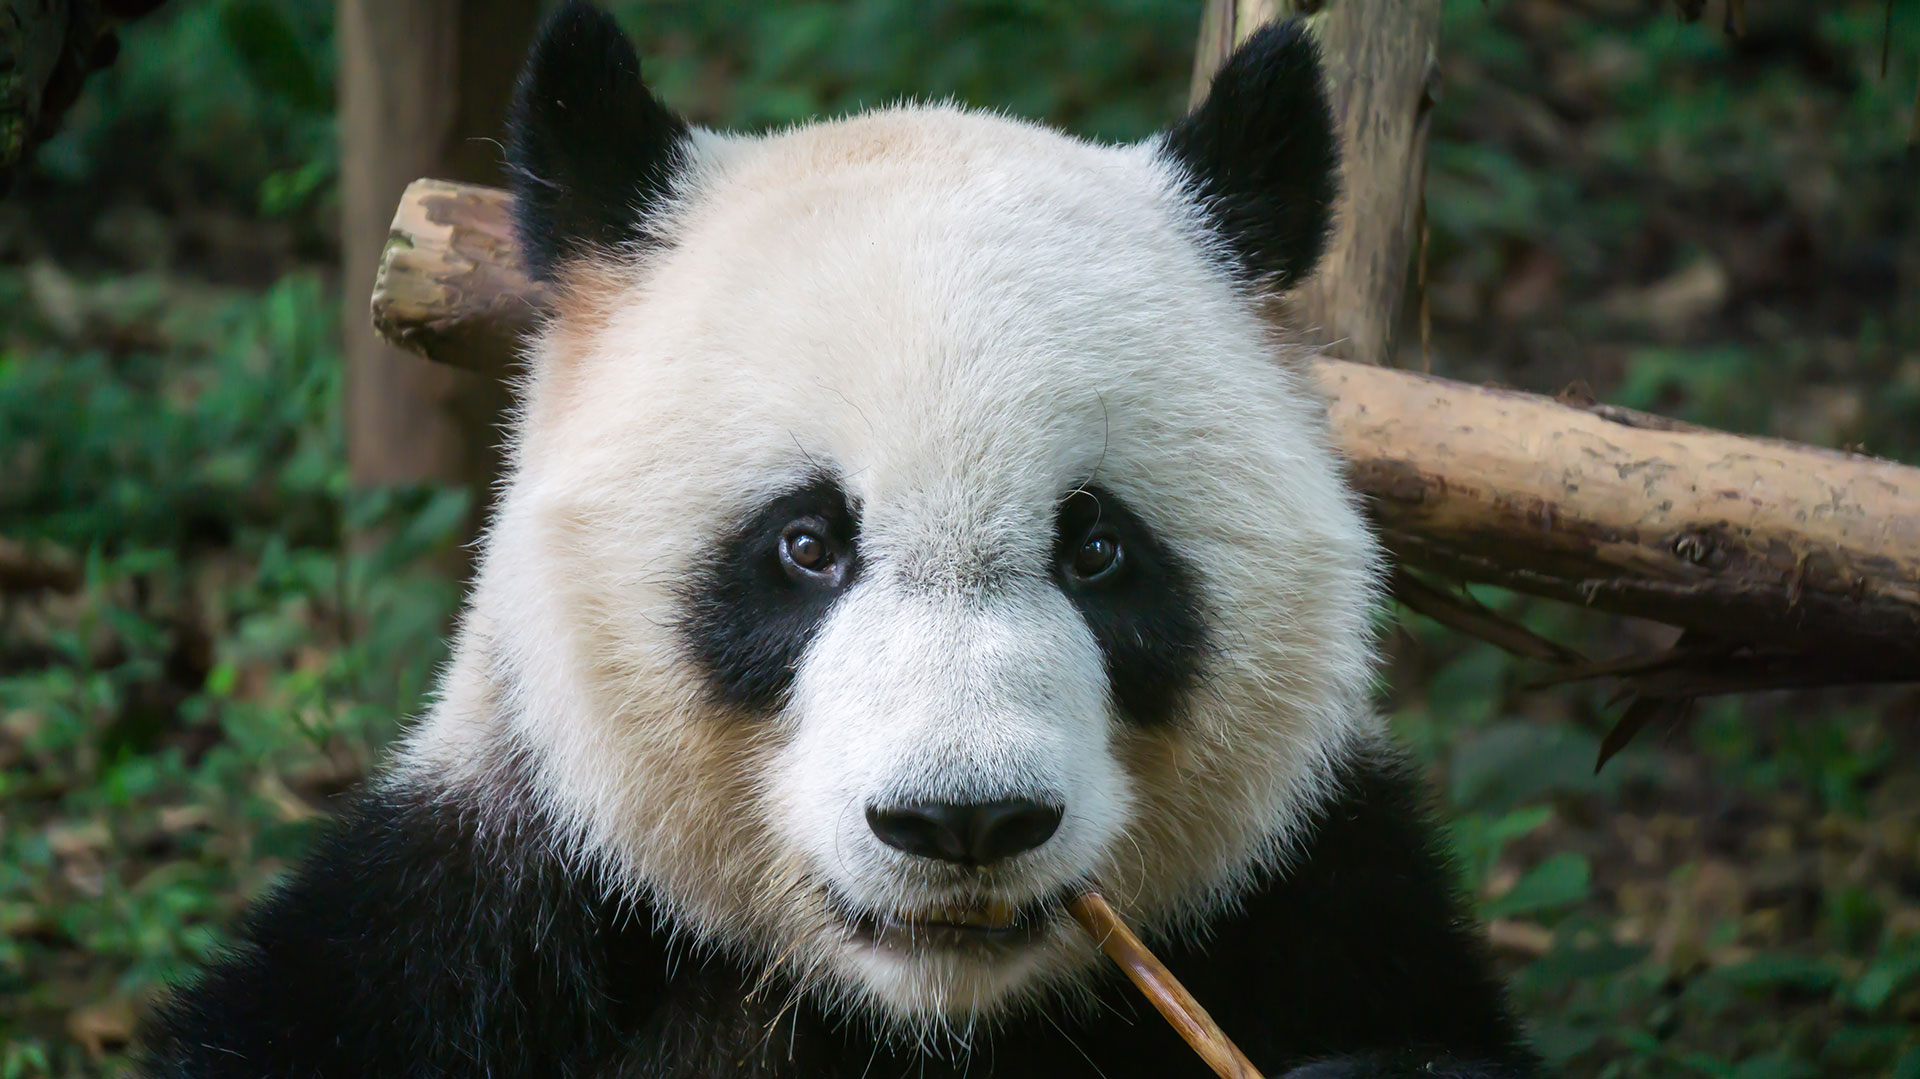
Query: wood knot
1698	547
1394	481
1577	394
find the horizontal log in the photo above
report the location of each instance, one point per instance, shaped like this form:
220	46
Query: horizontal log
1742	540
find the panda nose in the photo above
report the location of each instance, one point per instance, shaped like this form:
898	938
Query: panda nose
974	834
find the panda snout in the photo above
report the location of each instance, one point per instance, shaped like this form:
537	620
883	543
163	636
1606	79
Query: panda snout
972	834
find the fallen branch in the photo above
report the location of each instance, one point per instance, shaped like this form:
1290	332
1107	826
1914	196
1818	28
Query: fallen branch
1805	557
24	569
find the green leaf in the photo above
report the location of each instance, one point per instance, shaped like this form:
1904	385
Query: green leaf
1770	970
1562	880
1511	826
1774	1065
274	58
288	190
222	679
1513	762
1561	1042
1886	977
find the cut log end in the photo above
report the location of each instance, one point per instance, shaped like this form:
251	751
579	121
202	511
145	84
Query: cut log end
451	285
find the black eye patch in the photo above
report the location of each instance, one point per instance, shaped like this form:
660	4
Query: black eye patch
1142	603
748	617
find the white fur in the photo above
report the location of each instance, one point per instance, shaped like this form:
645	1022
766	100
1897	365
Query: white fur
962	317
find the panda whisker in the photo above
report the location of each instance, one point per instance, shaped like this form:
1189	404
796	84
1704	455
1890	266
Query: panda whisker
1137	880
815	465
848	401
1091	1063
871	1057
1106	439
771	970
806	982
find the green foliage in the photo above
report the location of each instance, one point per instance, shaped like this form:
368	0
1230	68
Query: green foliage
1690	226
1560	881
210	101
1707	210
1116	69
278	63
1728	953
172	727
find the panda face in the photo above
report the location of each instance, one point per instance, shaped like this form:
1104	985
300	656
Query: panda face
911	524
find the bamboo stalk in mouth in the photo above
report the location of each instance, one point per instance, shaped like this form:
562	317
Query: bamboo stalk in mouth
1161	988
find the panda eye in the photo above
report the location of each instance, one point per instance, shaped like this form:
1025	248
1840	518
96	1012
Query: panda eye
1098	557
807	552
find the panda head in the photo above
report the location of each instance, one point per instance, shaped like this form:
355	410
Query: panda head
913	521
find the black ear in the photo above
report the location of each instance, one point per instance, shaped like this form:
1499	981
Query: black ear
1262	154
589	148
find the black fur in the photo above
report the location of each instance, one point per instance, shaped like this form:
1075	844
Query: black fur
589	147
747	622
1262	155
410	944
1147	619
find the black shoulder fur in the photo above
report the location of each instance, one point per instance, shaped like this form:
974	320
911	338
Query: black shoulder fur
412	944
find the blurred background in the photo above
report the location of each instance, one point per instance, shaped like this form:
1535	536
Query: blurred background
212	614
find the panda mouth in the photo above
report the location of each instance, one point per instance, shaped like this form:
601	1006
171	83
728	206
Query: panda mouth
986	924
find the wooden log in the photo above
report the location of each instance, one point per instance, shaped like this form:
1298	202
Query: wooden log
1742	539
451	286
1748	541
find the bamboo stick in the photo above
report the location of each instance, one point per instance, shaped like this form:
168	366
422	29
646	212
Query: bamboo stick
1161	988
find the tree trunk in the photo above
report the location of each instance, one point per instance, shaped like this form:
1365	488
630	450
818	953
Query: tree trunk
47	49
1382	71
424	86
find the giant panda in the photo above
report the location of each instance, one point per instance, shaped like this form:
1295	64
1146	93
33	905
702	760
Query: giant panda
911	521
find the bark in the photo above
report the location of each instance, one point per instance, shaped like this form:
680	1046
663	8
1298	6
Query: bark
1743	541
1382	71
450	285
33	45
47	50
25	569
424	88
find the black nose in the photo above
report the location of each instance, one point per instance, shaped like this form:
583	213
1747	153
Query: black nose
976	834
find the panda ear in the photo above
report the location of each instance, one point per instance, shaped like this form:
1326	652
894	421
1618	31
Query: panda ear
1261	155
589	148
